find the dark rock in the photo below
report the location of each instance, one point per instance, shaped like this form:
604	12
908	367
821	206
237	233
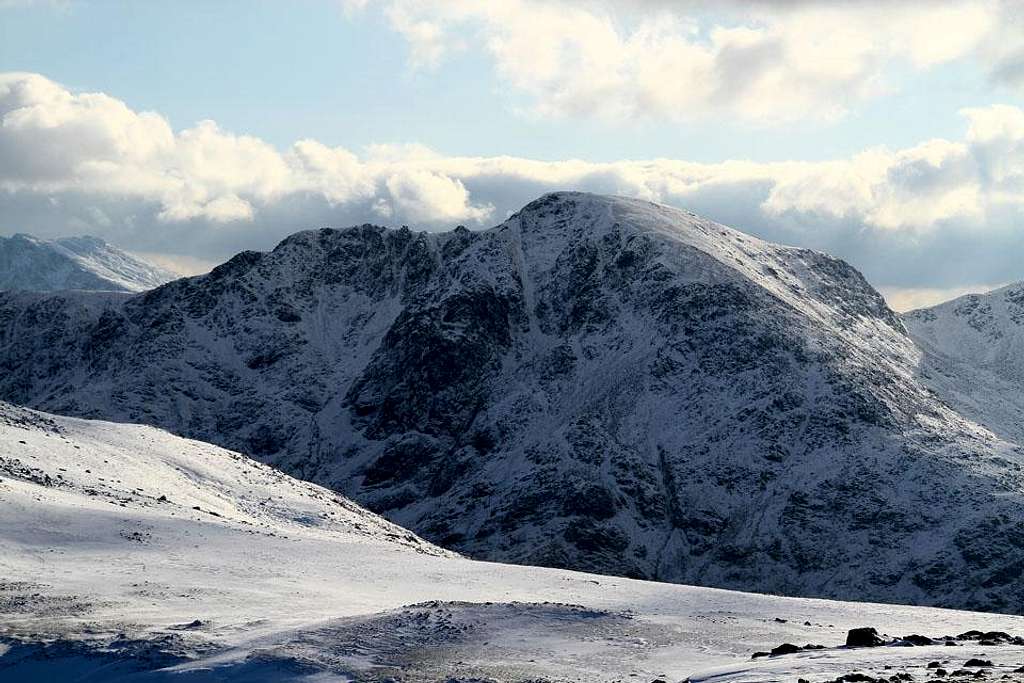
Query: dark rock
785	649
917	640
970	635
863	637
997	635
974	661
934	665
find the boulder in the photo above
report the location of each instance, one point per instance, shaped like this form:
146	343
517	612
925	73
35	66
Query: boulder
918	640
863	637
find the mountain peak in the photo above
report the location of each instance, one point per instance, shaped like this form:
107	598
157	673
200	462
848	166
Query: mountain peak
599	383
84	262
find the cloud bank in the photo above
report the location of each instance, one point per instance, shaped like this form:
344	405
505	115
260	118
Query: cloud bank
761	62
941	215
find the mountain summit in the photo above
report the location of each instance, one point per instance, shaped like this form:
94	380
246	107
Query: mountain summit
89	263
598	383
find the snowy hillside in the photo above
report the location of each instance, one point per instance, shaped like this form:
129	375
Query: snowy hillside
127	554
32	264
974	356
598	383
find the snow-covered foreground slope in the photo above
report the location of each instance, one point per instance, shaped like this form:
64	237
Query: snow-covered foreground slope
130	554
31	264
598	383
974	356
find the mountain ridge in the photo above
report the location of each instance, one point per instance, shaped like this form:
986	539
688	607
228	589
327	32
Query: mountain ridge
85	262
974	355
598	383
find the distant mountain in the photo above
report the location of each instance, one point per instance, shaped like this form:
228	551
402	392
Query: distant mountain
598	383
974	356
33	264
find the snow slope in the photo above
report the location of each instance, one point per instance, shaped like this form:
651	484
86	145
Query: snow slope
974	348
598	383
33	264
130	554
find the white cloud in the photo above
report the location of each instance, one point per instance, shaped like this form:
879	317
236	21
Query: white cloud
182	265
757	62
941	214
911	298
55	141
429	196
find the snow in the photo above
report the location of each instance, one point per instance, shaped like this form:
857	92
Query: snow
33	264
275	579
974	356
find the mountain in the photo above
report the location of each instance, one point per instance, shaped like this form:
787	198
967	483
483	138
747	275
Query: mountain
130	554
598	383
30	263
974	356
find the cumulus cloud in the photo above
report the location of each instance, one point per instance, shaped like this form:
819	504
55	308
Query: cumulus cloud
765	62
941	215
55	141
420	192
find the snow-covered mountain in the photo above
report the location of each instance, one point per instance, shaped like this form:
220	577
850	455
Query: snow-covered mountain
128	554
598	383
974	356
30	263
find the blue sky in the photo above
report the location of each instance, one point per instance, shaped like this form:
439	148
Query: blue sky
400	92
284	71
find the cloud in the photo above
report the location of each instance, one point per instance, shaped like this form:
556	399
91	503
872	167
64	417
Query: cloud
908	299
431	196
940	215
55	141
762	62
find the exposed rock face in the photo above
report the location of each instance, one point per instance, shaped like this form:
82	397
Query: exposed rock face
31	264
597	383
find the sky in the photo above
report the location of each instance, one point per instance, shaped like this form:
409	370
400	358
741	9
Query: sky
890	134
